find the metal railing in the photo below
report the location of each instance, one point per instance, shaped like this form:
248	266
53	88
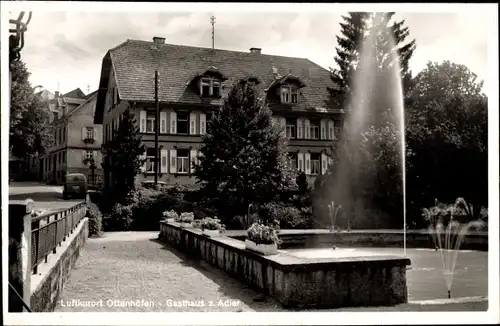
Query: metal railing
49	230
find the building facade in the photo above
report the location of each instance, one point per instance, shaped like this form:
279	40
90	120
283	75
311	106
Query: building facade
192	85
77	140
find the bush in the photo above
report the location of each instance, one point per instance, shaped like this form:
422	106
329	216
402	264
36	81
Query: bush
120	219
95	220
289	217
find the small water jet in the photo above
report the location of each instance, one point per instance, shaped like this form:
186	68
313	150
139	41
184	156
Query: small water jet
448	238
333	217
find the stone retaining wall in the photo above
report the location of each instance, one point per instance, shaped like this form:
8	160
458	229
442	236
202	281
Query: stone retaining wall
297	282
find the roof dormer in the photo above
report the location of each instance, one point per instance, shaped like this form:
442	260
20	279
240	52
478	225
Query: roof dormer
209	82
288	88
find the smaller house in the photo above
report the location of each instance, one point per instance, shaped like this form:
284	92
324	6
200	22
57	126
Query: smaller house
77	140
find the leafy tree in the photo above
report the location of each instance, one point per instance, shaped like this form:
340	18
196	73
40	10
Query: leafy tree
303	186
30	131
123	156
447	130
244	159
353	31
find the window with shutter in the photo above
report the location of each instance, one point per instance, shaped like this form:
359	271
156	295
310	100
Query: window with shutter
300	129
307	159
164	157
163	122
173	122
203	123
323	129
173	161
330	130
192	124
142	125
306	129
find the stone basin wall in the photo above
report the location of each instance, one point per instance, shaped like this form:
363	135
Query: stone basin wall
299	282
368	238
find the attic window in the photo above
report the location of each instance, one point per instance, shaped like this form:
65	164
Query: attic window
289	94
210	87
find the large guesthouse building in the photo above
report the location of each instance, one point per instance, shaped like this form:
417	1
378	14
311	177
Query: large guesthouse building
193	82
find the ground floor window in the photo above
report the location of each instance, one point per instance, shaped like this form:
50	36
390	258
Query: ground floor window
315	163
182	161
89	155
150	160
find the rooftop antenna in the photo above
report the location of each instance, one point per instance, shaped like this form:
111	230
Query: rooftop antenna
88	88
212	21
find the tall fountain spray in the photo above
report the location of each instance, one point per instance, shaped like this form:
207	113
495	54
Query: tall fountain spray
377	87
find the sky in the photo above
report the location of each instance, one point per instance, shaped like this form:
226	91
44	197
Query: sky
64	49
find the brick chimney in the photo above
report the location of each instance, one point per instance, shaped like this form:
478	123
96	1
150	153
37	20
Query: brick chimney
158	40
255	50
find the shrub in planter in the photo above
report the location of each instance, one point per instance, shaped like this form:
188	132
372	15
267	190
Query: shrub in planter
185	219
95	220
211	226
171	215
262	238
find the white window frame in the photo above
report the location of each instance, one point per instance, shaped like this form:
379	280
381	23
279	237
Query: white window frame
89	154
315	166
314	127
212	83
89	133
150	162
291	129
150	121
289	94
183	165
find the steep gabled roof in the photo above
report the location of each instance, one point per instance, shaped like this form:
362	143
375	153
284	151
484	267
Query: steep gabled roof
134	63
76	93
88	99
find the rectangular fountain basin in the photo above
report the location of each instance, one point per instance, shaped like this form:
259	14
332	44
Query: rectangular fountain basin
299	279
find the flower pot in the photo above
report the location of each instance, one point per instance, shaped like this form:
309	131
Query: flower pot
210	233
264	249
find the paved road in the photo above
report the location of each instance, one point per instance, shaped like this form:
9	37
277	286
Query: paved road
130	266
126	267
46	197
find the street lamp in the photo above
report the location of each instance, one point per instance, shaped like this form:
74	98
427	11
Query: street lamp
16	39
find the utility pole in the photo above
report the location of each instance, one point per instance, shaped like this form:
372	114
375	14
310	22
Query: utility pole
157	127
212	21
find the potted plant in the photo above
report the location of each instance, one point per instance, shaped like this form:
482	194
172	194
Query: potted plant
170	215
262	238
211	227
186	219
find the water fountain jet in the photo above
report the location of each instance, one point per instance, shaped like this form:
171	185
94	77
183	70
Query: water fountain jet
333	218
376	99
453	234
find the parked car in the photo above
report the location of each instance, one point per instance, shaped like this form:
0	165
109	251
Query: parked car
75	186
